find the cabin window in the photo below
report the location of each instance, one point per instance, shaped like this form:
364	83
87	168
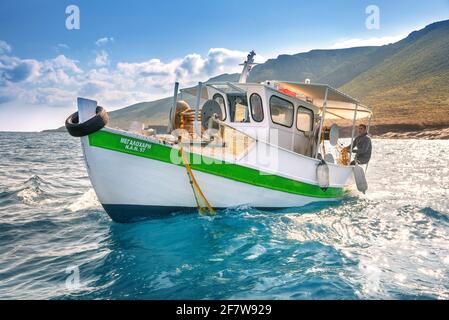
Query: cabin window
221	101
281	111
238	108
304	119
256	107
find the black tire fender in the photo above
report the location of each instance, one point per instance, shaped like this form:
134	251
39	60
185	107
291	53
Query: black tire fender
97	122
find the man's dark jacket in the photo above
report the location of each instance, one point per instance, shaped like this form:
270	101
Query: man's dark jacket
362	149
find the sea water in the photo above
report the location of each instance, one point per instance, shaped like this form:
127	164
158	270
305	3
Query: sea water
56	242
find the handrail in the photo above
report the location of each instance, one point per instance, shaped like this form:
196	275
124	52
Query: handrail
197	109
173	110
273	145
353	131
321	123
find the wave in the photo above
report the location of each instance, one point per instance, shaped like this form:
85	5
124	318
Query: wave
87	201
434	214
31	192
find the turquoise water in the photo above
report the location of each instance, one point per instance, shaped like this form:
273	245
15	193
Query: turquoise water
56	242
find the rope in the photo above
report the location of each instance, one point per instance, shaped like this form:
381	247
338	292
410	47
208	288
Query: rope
203	205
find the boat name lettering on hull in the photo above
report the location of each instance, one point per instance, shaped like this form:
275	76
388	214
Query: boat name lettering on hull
134	145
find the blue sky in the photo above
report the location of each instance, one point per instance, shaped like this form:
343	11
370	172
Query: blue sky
44	66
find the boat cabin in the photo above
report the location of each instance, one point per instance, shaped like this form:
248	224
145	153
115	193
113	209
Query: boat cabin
286	114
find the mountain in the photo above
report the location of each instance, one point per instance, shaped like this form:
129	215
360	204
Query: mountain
404	82
154	114
149	113
334	67
411	85
226	77
314	65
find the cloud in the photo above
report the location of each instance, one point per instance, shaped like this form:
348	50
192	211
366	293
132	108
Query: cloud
103	41
58	81
4	47
16	70
48	96
150	68
187	70
375	41
59	71
192	64
63	46
62	62
220	60
60	47
5	95
24	70
92	88
102	59
30	81
6	98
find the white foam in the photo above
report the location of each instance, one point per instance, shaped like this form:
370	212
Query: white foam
255	252
88	200
28	195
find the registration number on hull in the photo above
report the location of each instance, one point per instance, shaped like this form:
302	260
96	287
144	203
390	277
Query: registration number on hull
135	145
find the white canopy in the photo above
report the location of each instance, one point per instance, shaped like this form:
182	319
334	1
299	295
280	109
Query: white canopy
339	105
193	91
225	87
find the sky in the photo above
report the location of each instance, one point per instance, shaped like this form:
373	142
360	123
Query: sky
126	52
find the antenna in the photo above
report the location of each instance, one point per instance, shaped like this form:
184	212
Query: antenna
247	66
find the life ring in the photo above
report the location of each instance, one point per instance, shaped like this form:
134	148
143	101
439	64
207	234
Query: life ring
97	122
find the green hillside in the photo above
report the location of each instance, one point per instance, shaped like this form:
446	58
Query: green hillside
233	77
410	86
153	113
150	113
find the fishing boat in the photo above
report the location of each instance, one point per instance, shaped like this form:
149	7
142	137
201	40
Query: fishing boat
268	145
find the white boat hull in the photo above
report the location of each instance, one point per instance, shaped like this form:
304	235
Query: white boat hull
133	186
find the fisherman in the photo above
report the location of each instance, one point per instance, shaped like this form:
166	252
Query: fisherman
361	147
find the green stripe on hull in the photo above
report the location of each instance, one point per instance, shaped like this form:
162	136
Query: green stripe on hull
147	149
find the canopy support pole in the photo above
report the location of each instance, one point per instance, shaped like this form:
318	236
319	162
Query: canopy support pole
369	123
367	130
173	110
321	123
197	108
353	130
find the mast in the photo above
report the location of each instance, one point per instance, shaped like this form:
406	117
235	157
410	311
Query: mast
247	66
